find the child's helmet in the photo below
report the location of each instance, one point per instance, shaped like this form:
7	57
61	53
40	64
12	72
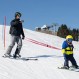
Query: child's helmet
69	37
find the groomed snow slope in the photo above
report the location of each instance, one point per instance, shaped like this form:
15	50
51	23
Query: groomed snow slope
48	59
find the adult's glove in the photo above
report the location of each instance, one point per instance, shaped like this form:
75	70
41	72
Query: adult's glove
23	37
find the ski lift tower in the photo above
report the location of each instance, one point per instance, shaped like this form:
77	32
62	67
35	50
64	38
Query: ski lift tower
55	25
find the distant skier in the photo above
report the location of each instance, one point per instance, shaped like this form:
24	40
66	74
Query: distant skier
67	50
17	34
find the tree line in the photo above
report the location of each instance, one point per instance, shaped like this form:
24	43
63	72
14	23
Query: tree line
63	31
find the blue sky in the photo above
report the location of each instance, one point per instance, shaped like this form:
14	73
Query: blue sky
36	13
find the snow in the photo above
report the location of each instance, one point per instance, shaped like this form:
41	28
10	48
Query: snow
48	59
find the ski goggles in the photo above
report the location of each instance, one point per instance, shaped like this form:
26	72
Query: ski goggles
70	40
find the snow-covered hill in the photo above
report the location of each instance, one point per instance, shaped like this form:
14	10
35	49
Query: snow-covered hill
48	58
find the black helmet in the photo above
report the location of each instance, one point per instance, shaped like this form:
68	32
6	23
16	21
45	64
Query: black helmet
17	14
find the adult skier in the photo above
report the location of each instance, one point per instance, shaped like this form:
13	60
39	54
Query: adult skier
67	50
17	34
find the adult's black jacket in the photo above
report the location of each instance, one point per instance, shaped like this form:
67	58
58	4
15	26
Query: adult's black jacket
16	28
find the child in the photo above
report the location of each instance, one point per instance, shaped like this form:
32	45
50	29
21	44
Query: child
67	50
